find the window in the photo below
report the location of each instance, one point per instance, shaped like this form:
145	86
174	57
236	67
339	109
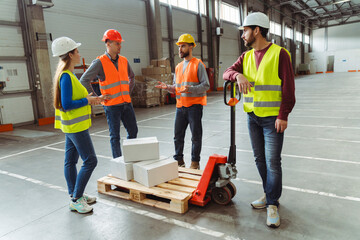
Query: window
307	39
275	28
228	12
191	5
299	36
288	33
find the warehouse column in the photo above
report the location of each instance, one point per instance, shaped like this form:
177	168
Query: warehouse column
302	44
43	78
282	22
154	29
213	40
293	45
243	11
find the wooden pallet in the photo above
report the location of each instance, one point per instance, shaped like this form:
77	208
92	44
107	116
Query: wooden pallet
172	195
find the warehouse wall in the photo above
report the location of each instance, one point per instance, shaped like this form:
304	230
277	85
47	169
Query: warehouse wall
14	108
341	42
86	20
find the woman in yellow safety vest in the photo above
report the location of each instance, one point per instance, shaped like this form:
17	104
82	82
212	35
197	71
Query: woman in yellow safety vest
73	117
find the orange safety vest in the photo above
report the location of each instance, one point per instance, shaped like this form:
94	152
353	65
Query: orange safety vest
188	77
116	83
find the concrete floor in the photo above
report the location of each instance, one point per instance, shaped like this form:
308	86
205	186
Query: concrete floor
321	165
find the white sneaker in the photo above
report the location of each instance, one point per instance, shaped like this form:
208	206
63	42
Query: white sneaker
80	206
273	217
89	199
260	203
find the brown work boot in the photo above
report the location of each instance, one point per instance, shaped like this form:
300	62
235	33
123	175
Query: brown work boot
195	165
181	163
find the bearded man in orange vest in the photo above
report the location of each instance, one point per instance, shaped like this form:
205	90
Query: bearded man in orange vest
190	85
116	81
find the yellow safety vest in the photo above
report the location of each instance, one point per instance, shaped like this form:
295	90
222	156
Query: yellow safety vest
75	120
266	94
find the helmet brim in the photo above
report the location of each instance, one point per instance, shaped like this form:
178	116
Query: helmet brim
177	43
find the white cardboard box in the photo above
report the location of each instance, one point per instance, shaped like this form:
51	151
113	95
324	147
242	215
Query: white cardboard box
140	149
121	169
151	173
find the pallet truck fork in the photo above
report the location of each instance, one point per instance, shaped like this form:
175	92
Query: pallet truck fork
215	181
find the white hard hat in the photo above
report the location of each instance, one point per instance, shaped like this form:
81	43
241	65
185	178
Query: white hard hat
63	45
256	19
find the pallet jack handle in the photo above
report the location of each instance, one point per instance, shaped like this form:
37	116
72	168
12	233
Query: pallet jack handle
232	102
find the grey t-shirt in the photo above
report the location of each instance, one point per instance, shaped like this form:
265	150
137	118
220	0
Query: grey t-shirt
203	85
96	71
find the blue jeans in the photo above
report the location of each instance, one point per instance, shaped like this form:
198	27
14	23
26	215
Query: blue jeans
78	144
125	113
188	116
267	145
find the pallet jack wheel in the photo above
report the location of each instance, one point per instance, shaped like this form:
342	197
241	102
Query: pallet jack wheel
221	195
232	188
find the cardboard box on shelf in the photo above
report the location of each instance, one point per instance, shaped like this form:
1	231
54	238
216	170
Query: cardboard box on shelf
151	173
162	62
121	169
140	149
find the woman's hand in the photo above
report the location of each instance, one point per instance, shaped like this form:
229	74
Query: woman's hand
93	100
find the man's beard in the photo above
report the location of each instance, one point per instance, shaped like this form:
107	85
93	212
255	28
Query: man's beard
184	54
250	42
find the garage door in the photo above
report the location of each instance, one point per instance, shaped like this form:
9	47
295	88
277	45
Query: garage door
15	99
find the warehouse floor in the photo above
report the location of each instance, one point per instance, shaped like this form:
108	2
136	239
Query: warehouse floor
321	166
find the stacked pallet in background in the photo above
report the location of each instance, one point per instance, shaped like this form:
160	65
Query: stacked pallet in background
145	94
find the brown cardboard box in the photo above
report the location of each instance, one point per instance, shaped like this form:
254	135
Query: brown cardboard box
154	62
163	61
152	71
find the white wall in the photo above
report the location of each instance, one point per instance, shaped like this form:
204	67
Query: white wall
342	42
86	20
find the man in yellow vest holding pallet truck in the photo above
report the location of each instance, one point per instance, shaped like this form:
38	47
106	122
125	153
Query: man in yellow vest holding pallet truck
265	77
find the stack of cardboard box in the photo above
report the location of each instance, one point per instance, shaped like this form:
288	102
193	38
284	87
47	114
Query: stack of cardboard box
165	75
142	162
145	94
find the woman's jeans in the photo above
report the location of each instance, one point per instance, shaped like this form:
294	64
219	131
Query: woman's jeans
267	145
78	144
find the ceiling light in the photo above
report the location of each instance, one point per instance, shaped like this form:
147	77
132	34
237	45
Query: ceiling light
342	1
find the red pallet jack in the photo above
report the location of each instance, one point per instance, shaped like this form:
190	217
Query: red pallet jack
215	181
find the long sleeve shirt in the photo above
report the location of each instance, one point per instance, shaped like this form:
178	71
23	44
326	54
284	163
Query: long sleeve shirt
203	85
96	71
286	75
66	94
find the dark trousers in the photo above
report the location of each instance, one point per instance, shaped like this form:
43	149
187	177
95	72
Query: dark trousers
188	116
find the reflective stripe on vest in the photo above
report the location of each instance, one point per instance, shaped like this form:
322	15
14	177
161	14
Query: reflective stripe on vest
116	83
75	120
266	94
188	78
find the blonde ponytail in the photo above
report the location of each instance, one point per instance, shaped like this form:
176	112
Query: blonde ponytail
64	63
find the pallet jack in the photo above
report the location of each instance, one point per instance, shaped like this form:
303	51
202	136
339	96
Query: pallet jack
215	181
